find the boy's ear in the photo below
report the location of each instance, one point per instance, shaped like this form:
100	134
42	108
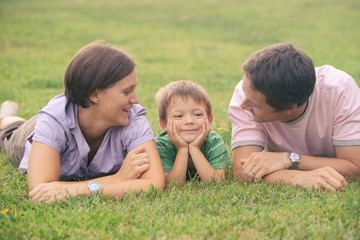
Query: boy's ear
163	125
211	118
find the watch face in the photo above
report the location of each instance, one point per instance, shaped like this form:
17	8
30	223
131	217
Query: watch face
294	156
295	160
94	186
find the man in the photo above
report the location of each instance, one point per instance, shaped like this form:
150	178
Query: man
295	124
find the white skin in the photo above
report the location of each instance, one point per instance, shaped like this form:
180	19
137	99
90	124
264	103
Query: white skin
251	164
141	167
187	127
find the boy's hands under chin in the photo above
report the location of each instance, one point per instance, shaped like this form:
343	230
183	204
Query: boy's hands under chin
205	130
174	136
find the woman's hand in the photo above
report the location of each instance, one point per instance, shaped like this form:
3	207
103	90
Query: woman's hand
50	192
135	163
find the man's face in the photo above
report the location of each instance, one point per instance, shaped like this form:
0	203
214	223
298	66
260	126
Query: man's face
255	102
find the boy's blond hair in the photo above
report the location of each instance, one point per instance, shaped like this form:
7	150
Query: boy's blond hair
184	89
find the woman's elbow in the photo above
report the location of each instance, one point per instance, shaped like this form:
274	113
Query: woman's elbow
159	183
32	183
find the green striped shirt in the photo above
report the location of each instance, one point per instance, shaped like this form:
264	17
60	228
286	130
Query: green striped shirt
213	148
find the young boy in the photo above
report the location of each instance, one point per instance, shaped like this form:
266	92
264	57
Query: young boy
187	143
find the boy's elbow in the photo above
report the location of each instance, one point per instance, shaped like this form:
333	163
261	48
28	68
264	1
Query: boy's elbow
219	175
178	178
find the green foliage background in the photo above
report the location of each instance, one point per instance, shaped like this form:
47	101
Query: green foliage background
203	41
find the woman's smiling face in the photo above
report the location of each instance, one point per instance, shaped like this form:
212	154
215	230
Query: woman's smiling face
116	101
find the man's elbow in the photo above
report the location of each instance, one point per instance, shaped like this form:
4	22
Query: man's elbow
352	174
354	177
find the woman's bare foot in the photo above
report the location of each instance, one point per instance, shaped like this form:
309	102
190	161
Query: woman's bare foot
9	108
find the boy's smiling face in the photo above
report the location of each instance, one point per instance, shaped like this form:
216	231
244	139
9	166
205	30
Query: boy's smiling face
188	116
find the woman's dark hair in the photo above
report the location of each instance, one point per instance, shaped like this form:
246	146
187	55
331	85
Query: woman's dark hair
283	73
96	66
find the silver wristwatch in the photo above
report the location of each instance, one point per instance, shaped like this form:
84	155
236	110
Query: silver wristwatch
295	160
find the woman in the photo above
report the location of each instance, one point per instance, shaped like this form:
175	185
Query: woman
96	132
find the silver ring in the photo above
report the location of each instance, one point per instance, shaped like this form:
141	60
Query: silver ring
253	172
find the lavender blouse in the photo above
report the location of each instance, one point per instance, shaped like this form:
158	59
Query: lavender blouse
57	126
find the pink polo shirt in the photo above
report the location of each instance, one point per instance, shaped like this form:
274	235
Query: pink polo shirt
332	118
57	126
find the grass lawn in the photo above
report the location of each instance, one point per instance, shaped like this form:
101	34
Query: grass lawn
204	41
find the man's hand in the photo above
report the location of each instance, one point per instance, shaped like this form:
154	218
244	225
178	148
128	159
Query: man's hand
324	178
260	164
135	163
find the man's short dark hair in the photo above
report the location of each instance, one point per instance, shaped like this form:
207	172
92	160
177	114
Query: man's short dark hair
96	66
283	73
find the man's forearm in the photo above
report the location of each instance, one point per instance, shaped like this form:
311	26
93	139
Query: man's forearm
343	166
281	177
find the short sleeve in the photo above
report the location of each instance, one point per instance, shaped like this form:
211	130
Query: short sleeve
138	130
346	125
216	152
245	131
49	131
166	151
